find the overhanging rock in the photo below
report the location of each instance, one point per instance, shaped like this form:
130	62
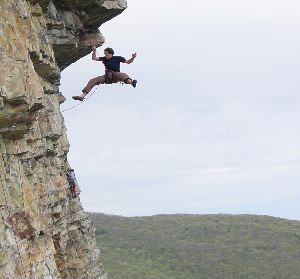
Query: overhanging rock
73	26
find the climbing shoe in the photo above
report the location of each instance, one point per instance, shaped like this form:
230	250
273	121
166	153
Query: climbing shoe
79	98
134	82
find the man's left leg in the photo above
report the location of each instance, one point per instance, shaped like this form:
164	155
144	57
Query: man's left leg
118	76
93	82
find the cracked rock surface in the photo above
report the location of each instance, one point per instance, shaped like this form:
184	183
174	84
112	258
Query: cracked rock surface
44	232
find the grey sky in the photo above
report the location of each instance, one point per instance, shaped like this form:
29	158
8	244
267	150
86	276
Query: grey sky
213	125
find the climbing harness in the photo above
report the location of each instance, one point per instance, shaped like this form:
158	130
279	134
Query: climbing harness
108	77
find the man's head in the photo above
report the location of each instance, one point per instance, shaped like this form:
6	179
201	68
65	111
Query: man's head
108	53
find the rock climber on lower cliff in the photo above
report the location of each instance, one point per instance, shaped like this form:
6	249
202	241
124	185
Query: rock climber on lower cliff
112	71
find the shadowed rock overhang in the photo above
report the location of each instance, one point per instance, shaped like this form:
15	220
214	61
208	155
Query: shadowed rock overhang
73	25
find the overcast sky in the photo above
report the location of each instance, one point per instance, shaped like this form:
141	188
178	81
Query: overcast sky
213	125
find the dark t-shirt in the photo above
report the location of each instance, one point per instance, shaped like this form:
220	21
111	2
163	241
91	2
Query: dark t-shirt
112	64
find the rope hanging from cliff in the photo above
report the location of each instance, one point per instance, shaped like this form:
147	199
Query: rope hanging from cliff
63	111
71	108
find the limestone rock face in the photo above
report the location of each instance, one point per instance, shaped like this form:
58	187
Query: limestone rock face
44	232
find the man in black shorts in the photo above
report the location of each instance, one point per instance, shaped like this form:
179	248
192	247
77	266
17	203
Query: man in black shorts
112	71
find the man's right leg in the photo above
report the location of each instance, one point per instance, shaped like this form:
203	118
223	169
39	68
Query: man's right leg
89	87
118	76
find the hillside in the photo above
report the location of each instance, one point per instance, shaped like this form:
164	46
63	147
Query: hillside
199	247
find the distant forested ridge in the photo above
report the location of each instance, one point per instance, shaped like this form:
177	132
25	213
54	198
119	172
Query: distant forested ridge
199	247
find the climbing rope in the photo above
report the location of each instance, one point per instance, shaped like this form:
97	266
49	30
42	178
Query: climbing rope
63	111
84	100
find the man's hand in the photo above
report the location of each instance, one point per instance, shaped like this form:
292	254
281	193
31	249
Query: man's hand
94	54
129	61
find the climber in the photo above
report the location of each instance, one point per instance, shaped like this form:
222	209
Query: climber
112	71
72	182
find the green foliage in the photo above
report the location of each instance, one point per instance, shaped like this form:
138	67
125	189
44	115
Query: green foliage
199	247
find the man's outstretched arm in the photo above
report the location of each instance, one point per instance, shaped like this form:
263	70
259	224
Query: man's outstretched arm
129	61
94	54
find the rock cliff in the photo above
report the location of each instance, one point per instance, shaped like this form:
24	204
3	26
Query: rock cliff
44	232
